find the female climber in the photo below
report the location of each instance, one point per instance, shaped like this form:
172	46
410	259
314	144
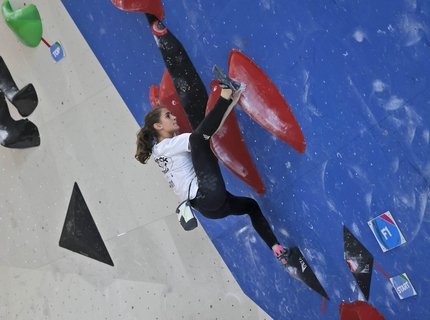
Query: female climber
192	169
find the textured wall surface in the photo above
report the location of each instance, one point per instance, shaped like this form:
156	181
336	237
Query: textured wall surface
356	77
88	136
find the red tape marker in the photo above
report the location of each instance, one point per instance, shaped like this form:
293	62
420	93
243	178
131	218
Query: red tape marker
380	269
45	42
323	306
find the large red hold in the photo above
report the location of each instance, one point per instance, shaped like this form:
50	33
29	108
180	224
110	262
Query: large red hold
263	102
166	96
359	310
154	7
230	148
228	144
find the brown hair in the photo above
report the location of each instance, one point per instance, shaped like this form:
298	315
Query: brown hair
146	135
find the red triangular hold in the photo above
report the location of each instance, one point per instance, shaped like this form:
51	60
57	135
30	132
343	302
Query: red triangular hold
263	101
228	144
230	148
166	96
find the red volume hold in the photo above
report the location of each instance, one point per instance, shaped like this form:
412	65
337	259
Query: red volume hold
154	7
263	101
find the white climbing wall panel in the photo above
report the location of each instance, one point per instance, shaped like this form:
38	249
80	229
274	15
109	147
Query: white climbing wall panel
88	136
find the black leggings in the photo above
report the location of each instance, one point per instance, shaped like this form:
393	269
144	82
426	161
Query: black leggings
213	201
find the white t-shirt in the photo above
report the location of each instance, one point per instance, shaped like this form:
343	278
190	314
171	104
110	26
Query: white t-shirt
174	159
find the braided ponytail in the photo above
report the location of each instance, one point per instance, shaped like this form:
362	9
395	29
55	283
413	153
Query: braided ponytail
146	136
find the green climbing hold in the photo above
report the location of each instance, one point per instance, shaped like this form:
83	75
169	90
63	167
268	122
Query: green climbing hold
25	23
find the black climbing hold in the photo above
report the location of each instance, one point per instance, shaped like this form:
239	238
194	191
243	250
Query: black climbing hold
24	99
80	233
359	260
299	269
16	134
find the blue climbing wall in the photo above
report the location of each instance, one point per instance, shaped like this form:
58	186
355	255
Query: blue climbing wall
356	75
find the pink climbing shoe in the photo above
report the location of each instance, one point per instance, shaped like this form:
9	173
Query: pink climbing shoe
282	254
